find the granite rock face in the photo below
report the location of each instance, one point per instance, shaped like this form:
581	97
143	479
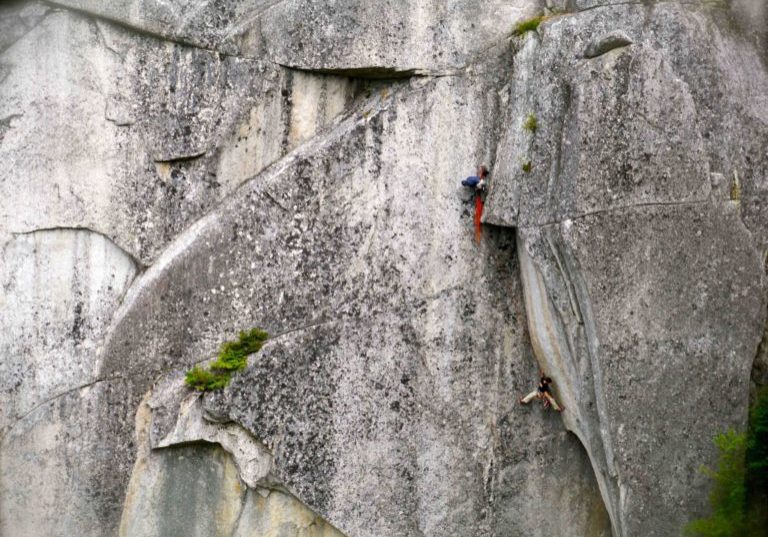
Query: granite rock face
149	135
639	239
379	39
179	171
391	369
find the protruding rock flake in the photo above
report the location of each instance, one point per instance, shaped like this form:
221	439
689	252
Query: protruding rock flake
176	173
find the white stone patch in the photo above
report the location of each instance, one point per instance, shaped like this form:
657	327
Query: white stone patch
59	290
251	457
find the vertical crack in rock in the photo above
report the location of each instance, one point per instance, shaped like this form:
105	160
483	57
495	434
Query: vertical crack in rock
611	233
552	333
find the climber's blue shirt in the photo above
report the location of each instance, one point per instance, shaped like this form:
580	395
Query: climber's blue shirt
471	181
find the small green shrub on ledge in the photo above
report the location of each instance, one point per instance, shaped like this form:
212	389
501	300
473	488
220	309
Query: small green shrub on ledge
530	25
233	356
206	380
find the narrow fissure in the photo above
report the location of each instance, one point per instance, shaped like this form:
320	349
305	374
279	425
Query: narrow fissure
596	515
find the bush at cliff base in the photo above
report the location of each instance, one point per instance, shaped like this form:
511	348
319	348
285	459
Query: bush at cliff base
740	489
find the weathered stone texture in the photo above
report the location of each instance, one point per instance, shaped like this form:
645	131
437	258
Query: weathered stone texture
195	489
644	281
149	135
351	36
391	367
53	458
59	290
178	171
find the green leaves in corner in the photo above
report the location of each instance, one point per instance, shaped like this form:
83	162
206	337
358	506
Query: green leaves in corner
740	482
530	25
233	356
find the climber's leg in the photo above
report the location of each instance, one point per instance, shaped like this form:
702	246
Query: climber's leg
552	401
530	397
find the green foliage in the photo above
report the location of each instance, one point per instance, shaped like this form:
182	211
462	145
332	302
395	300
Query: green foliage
757	442
205	380
728	496
742	472
233	356
530	123
530	25
527	166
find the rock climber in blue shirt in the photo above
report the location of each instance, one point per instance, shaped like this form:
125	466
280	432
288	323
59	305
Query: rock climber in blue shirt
477	182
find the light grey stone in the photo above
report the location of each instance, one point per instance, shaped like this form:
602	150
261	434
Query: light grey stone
394	370
52	457
325	207
196	489
137	138
644	282
58	291
252	460
367	39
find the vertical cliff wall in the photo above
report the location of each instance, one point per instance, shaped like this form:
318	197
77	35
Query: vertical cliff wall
179	171
639	238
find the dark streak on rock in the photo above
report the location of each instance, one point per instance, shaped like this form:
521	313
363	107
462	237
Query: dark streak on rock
181	158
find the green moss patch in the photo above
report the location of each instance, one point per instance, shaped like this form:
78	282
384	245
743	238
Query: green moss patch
530	123
233	356
530	25
527	166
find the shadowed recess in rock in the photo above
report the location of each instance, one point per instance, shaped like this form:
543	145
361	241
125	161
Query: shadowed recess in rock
195	490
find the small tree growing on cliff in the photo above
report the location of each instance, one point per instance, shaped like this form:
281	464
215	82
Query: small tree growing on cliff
728	497
738	497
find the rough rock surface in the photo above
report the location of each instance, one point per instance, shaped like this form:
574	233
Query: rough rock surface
391	372
196	487
377	39
642	130
178	171
150	135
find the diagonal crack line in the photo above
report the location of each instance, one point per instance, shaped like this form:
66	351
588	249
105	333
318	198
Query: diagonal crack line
690	203
26	32
141	31
301	328
21	418
274	200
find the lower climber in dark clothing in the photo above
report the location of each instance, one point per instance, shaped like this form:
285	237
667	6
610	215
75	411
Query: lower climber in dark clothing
544	393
